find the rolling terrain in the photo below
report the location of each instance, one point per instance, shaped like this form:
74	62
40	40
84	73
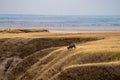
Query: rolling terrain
44	56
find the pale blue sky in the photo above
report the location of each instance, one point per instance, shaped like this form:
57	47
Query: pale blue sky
60	7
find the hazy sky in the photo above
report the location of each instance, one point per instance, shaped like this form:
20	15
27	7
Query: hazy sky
60	7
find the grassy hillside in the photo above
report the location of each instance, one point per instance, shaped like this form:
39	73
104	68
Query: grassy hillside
47	58
23	47
95	71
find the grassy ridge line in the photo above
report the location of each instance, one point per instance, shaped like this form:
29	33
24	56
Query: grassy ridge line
37	67
22	30
77	58
89	57
60	55
94	71
23	47
58	66
27	63
36	44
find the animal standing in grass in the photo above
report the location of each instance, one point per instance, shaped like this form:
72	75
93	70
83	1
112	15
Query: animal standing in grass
71	46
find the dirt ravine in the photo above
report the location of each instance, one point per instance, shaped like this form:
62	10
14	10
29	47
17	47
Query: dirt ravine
3	74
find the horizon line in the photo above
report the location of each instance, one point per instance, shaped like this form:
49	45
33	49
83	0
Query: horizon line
63	14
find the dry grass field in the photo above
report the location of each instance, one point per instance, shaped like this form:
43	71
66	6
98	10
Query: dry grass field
44	56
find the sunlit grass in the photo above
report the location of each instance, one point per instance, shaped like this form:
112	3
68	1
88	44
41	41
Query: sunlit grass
92	48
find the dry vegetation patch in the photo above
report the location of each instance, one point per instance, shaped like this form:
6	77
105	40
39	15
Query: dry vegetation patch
96	71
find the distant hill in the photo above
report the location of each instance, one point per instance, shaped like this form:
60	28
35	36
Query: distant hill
22	30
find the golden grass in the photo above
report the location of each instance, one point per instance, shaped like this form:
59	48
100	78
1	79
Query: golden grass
92	52
23	47
99	50
95	71
80	57
54	35
28	62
